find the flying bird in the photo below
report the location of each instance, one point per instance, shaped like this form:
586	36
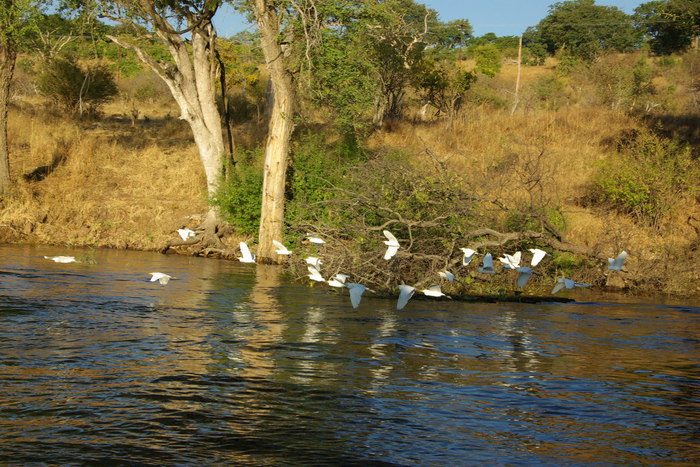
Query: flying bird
447	275
315	262
160	277
511	261
433	291
392	245
615	264
185	233
61	259
487	267
405	294
524	274
315	275
247	257
356	291
537	256
313	239
338	280
281	249
468	256
564	283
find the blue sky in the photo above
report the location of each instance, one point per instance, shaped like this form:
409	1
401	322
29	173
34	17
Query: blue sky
503	17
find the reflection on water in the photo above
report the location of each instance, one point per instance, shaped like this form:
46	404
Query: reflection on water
231	363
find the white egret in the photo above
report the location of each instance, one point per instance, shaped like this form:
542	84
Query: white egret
405	294
433	291
338	280
447	275
160	277
281	249
247	257
313	239
315	274
392	245
511	261
524	274
615	264
315	262
356	291
61	259
487	267
185	233
564	283
468	256
537	256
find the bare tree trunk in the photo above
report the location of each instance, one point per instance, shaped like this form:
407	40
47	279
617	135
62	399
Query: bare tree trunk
280	130
8	55
516	97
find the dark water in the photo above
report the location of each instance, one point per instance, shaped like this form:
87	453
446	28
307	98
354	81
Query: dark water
231	364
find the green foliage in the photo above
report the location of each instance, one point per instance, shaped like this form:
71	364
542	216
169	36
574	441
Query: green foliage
621	82
488	59
585	30
239	197
550	91
646	178
670	24
74	88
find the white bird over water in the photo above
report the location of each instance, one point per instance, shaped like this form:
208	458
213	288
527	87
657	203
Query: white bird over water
405	294
338	280
315	262
468	256
314	239
61	259
356	291
160	277
392	245
564	283
315	274
433	291
185	233
281	249
511	261
615	264
537	256
487	267
447	275
247	257
524	274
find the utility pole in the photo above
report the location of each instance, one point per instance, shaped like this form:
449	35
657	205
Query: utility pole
517	80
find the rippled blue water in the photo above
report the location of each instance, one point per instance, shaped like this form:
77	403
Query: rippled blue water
232	364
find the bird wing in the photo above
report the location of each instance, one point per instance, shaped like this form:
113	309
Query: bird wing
245	251
356	291
488	261
405	294
281	249
620	260
314	274
468	256
537	256
390	252
447	275
558	286
523	276
391	238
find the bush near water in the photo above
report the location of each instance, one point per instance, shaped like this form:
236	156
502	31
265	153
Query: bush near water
601	155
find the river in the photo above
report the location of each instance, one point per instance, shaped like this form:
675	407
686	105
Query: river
232	364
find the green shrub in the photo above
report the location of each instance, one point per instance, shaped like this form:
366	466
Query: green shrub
74	88
239	197
646	178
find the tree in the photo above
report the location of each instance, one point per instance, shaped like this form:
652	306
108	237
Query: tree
673	25
187	31
16	20
585	30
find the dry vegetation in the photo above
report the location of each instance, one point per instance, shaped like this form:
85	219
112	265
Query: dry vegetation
108	183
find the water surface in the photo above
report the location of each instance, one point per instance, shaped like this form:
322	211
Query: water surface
233	364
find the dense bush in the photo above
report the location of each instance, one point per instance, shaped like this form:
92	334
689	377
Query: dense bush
240	195
76	89
646	178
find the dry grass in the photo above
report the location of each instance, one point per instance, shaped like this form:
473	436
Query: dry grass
116	186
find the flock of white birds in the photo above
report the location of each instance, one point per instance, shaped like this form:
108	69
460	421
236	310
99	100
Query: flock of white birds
510	262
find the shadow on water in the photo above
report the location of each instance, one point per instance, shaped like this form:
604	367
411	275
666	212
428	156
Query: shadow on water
233	364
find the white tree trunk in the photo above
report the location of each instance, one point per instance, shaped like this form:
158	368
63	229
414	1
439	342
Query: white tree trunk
280	130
